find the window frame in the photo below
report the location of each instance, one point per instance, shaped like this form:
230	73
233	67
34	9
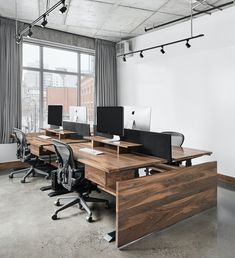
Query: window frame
41	70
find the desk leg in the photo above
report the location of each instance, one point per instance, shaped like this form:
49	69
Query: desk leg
188	163
110	237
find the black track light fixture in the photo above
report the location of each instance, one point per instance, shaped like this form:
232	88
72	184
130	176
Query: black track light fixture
162	50
187	44
161	47
44	23
42	18
63	9
141	54
30	33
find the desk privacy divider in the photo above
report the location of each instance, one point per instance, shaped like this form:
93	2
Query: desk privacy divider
79	128
154	144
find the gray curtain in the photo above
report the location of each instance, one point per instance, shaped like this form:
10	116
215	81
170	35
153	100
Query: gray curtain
105	73
10	79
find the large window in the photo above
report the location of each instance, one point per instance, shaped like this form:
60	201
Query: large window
55	76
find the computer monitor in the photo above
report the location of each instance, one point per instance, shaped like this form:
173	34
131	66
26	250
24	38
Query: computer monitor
137	118
55	115
110	120
78	114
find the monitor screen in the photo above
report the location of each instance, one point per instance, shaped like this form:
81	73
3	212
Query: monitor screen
55	114
110	120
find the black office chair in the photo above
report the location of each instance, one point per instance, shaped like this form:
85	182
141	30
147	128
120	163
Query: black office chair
71	176
177	139
24	154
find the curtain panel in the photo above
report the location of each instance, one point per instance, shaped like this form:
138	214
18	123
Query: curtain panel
105	73
10	79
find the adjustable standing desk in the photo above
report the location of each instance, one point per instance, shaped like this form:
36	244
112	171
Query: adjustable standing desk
187	154
150	203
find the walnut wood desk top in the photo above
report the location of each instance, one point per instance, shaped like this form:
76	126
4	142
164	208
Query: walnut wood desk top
109	161
33	139
182	153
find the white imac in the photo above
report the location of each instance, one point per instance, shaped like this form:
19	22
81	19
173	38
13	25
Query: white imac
137	118
78	114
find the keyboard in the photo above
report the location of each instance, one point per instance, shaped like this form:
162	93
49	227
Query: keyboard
91	151
44	137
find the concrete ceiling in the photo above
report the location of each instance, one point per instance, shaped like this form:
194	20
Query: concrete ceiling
108	19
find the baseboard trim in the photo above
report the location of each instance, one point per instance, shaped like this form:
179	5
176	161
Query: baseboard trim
226	179
13	165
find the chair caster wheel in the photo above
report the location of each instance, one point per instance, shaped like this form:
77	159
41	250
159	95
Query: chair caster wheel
57	203
54	217
22	181
89	219
10	176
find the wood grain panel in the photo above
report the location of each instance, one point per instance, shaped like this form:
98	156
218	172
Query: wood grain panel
95	175
226	179
182	153
152	203
13	165
107	179
112	178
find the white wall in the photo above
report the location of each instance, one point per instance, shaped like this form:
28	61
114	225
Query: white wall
8	152
190	90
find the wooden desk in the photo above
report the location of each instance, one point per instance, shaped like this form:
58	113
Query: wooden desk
187	154
150	203
37	144
108	168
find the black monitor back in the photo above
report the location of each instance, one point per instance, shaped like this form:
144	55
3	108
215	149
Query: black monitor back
96	133
79	128
154	144
55	115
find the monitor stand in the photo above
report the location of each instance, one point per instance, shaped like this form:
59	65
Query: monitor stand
54	127
115	138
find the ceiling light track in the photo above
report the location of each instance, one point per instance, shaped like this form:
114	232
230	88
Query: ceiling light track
162	50
42	17
189	16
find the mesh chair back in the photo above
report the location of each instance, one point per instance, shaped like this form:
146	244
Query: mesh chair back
23	151
67	167
177	139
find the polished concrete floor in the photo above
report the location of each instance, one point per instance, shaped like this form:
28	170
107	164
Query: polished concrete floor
27	231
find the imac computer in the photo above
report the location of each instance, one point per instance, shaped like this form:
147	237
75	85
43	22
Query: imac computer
78	114
55	116
137	118
110	120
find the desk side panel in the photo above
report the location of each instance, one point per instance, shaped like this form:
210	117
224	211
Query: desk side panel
152	203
